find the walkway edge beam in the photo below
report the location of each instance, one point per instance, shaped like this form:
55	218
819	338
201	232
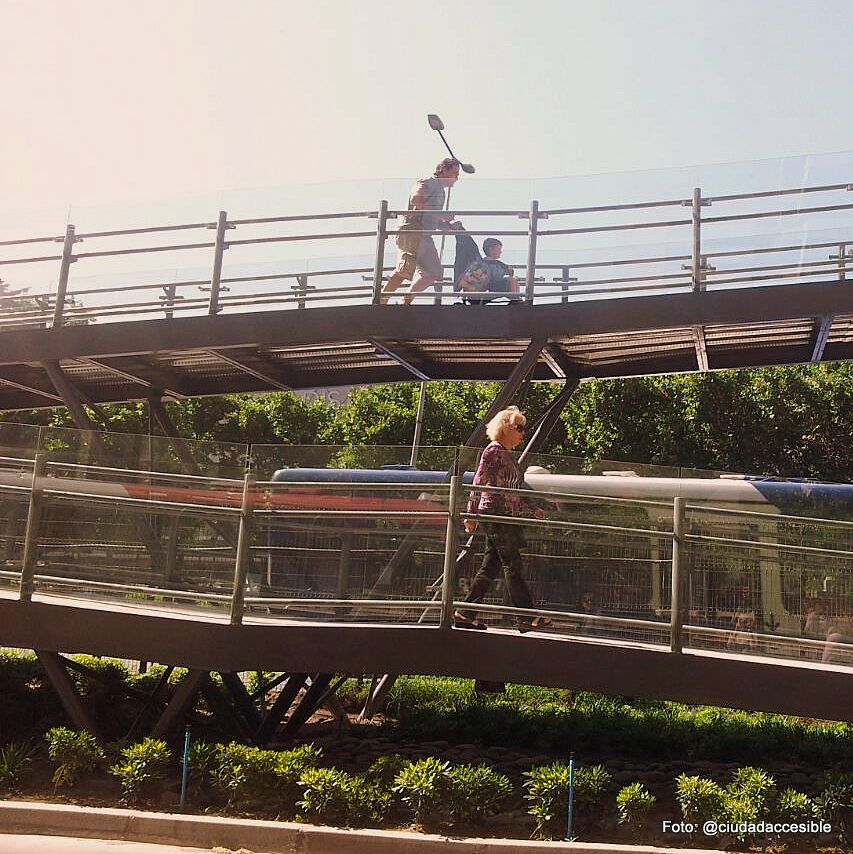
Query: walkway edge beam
272	837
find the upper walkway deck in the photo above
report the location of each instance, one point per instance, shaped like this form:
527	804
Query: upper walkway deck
697	280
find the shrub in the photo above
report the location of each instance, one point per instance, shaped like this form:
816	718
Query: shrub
793	806
325	795
268	778
14	759
74	753
633	805
245	774
591	786
385	769
289	768
476	791
700	799
201	760
370	802
140	767
749	797
835	804
423	785
548	792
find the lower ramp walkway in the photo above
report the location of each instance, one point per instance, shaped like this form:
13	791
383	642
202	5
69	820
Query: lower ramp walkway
705	597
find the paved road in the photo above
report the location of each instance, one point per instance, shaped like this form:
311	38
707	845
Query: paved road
14	844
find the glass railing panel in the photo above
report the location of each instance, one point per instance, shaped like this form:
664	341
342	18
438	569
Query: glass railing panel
364	553
763	584
602	567
134	552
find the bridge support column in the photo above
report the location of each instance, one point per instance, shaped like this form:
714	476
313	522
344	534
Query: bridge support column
180	703
54	666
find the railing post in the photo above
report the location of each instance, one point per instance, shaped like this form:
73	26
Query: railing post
64	269
379	259
244	540
696	258
218	251
532	231
842	257
448	579
301	289
676	605
28	561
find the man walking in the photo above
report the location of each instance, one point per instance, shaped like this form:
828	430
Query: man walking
418	258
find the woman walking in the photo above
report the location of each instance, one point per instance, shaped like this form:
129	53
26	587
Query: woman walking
504	541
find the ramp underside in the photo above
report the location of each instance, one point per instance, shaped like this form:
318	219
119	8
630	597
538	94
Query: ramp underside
346	345
807	688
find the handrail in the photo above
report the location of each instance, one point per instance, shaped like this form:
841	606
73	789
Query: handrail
105	303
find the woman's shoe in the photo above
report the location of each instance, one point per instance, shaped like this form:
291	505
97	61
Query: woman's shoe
533	625
460	621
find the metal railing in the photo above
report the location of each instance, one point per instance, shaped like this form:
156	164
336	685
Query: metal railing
671	574
700	266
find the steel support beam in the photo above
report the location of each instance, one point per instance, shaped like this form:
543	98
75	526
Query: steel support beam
821	336
54	666
147	383
549	420
309	703
181	702
265	375
235	687
701	348
395	354
519	375
282	703
31	389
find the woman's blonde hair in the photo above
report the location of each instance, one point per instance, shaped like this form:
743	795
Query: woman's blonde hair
503	420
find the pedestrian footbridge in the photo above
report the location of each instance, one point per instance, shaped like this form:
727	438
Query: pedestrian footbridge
701	597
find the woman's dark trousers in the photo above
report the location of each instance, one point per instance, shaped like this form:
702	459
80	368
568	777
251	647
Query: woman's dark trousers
503	552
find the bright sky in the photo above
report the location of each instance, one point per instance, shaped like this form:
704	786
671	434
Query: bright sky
116	100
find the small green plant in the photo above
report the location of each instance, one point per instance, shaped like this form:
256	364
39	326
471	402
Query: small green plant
201	760
633	805
749	798
547	791
835	804
386	768
591	786
74	752
14	759
140	767
369	802
700	799
423	785
794	806
325	795
262	778
476	791
247	775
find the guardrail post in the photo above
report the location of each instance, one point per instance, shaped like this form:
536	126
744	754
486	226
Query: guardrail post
379	260
244	539
218	251
676	604
532	231
841	257
64	269
696	258
28	561
301	289
448	579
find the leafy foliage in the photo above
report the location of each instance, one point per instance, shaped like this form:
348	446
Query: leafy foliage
424	786
634	802
476	791
74	752
140	767
14	759
700	799
548	792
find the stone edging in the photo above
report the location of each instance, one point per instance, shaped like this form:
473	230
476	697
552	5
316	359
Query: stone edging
272	837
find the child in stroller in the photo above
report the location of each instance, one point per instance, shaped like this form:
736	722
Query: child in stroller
489	276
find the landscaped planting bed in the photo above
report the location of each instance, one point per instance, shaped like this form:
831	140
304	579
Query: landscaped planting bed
444	757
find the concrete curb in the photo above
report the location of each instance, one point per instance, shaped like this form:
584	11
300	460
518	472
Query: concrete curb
272	837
